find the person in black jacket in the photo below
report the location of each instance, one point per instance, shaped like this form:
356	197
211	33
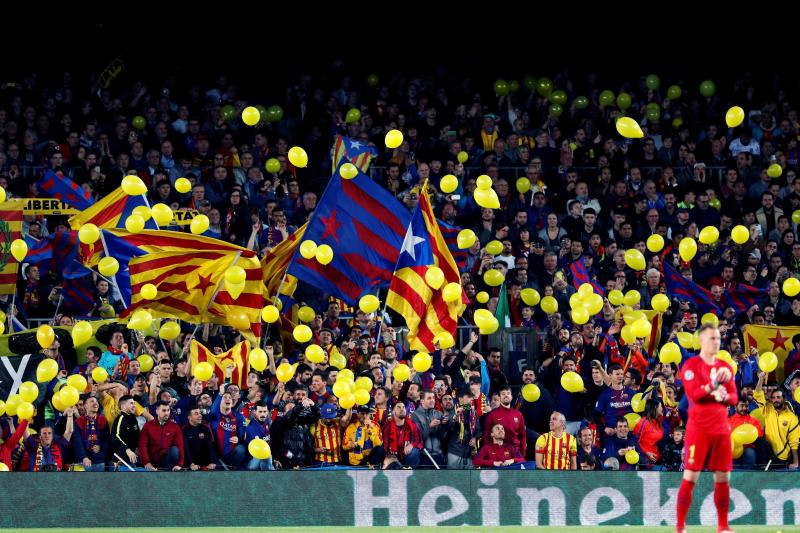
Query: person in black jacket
125	431
199	450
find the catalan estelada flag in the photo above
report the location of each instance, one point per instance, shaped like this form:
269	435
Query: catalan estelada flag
775	339
111	211
357	152
191	287
424	309
236	356
56	185
10	230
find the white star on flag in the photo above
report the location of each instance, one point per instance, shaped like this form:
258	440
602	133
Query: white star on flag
410	242
354	145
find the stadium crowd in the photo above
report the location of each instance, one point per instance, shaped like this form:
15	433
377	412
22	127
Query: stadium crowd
592	196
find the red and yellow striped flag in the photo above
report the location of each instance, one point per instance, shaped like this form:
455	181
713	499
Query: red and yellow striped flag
191	287
10	230
236	356
426	313
276	261
111	211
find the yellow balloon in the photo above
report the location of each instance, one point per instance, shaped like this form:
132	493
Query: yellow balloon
482	297
594	304
445	340
791	287
740	234
686	339
182	185
774	170
45	336
627	335
632	457
632	297
298	157
487	198
401	372
203	371
199	224
629	128
315	354
616	297
12	403
462	157
451	292
687	248
585	290
348	171
758	414
630	316
635	259
308	249
422	362
575	301
140	320
143	211
133	186
47	370
58	403
148	291
434	277
549	305
369	303
259	448
670	353
531	392
523	185
633	419
146	362
28	391
2	195
734	116
108	266
393	139
660	302
655	243
796	396
3	467
302	333
489	327
572	382
169	331
258	359
531	296
69	395
768	362
466	238
338	360
25	410
81	332
270	314
250	115
324	254
494	247
361	397
448	184
306	314
347	401
483	182
641	328
99	374
493	278
162	214
745	434
88	234
134	223
737	449
580	315
19	249
709	235
709	318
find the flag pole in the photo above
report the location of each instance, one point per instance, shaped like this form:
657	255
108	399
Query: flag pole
147	203
113	279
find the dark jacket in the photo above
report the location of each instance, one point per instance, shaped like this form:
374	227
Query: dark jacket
124	435
199	448
82	443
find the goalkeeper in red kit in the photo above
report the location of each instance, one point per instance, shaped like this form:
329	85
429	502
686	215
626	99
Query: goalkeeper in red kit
710	390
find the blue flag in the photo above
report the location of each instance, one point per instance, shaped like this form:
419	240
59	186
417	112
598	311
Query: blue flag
365	226
56	185
680	287
742	297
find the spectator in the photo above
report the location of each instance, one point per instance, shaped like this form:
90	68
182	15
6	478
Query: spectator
780	425
557	449
161	442
200	451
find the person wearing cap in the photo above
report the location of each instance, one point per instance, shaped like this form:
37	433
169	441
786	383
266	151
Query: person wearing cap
327	434
363	440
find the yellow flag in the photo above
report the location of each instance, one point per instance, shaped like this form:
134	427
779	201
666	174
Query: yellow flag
775	339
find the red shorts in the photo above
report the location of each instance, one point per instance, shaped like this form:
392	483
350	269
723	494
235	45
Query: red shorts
702	450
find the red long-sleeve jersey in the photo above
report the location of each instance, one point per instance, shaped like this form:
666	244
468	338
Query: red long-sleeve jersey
706	415
512	422
497	452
